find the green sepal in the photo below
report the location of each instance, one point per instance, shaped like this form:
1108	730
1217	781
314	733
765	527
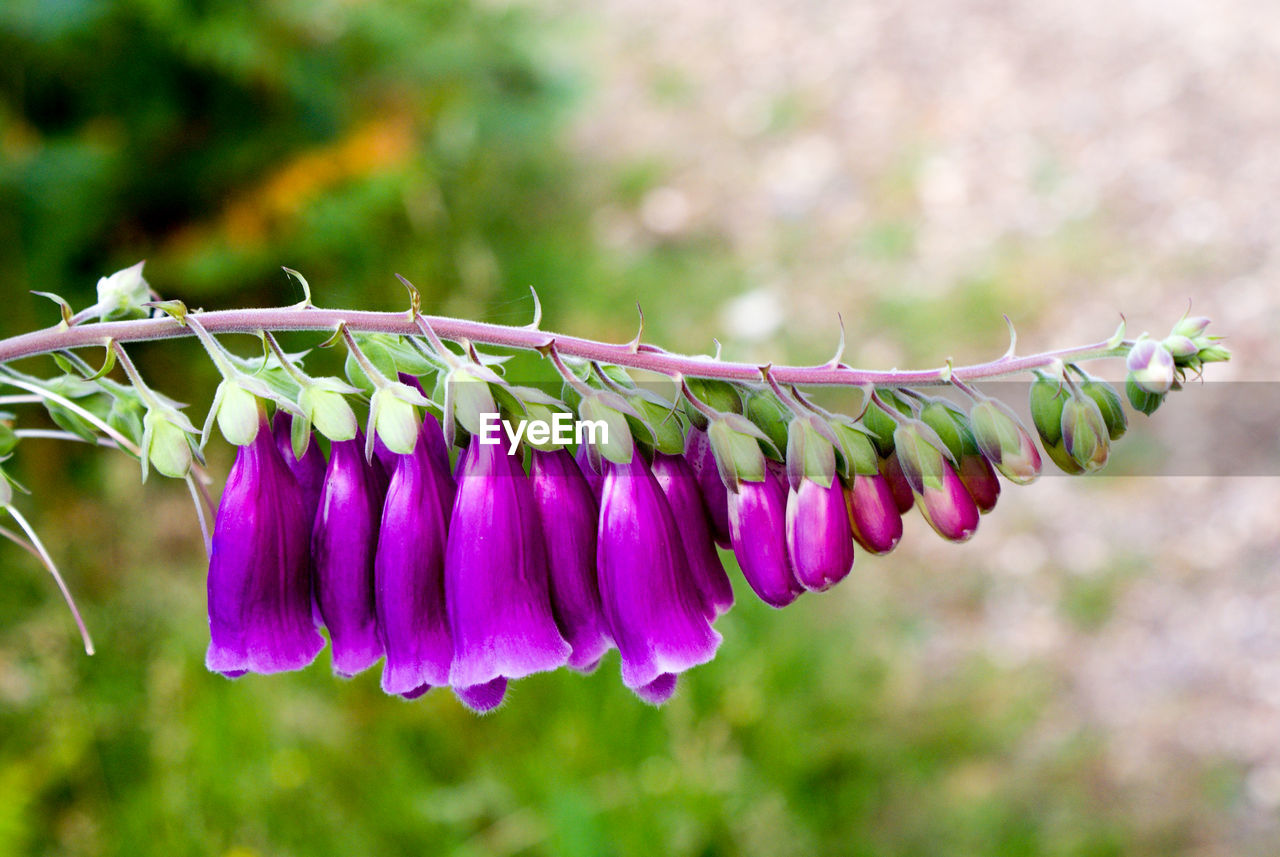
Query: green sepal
951	426
768	412
1046	398
1108	402
376	354
856	449
811	451
8	440
1084	433
609	408
718	395
921	454
1141	399
736	444
880	424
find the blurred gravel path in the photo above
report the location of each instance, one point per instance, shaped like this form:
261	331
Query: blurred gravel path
1128	151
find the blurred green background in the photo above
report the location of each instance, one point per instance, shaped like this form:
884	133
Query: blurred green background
459	143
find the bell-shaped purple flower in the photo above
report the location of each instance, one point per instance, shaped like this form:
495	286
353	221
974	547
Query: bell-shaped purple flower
433	436
595	479
758	529
819	539
409	578
874	519
259	585
948	507
496	579
567	515
308	470
344	542
680	486
715	496
652	607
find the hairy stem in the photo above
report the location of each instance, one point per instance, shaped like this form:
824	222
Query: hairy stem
648	357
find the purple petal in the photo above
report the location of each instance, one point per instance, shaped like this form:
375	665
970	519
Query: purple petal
658	691
417	692
652	608
595	479
344	542
308	470
496	575
757	526
680	486
874	518
413	622
714	495
482	698
891	470
979	479
819	540
259	585
567	518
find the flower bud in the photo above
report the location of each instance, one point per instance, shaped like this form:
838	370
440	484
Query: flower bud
948	507
1214	354
1190	326
328	410
123	294
819	538
1180	347
393	414
1084	433
891	470
770	416
979	479
757	529
874	519
1047	398
617	445
1151	366
167	444
1108	402
238	418
1004	441
734	442
1140	398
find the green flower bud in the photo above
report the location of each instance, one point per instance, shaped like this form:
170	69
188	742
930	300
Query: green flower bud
123	294
393	414
1214	354
1084	433
1140	398
8	440
735	442
1190	326
328	410
920	454
238	418
857	451
125	417
880	424
659	420
1004	441
952	427
1180	347
1108	401
166	442
616	442
471	397
1048	395
1151	366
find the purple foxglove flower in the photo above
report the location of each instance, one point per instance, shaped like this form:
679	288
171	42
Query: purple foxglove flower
680	486
715	496
496	577
948	507
409	579
758	529
980	480
874	518
437	449
595	479
344	542
819	539
308	470
652	607
567	516
259	585
891	470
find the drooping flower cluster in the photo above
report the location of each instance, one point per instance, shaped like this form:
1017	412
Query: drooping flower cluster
461	557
